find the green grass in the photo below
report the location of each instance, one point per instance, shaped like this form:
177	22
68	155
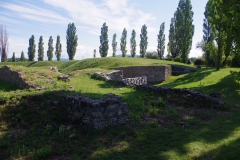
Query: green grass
32	127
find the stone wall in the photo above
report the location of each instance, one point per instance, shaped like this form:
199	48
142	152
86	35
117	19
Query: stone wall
202	100
135	81
153	73
115	75
97	113
13	77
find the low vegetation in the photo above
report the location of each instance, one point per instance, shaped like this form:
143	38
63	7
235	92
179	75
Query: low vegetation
34	126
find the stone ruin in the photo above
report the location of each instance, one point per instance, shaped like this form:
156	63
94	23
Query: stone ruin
97	114
202	100
135	81
15	77
65	78
117	76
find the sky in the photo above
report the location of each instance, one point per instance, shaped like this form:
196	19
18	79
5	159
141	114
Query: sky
51	17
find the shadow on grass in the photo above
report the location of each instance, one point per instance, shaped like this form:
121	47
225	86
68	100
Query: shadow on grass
192	77
5	87
35	128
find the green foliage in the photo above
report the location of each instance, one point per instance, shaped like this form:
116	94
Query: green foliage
103	49
58	47
236	76
124	42
133	43
152	55
50	49
72	39
22	58
143	41
184	28
31	49
161	41
199	61
114	45
5	98
177	59
40	49
13	57
173	44
212	48
235	61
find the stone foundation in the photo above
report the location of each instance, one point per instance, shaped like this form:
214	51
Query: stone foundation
97	114
14	77
153	73
135	81
192	96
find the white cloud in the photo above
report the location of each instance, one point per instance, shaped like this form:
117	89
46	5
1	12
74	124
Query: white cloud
117	14
32	12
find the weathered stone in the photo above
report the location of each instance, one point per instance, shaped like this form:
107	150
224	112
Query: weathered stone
65	78
15	77
72	135
97	113
196	97
215	95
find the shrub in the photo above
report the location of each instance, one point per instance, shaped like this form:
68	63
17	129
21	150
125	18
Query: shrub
152	55
177	59
235	61
229	61
168	57
200	61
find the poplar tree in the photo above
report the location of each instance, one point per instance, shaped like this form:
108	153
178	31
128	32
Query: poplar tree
133	43
124	42
143	41
40	49
114	45
161	41
184	28
94	53
103	48
22	58
58	50
50	49
72	39
13	57
173	46
31	49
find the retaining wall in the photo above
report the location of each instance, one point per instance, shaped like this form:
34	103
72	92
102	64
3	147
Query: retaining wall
13	77
153	73
97	113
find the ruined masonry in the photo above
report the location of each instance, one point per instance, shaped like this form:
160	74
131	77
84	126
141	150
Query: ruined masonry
14	77
97	114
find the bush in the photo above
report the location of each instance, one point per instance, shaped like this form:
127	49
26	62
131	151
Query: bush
211	63
169	57
152	55
200	61
177	59
235	61
229	61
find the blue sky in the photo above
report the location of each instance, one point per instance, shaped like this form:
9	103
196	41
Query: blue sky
51	18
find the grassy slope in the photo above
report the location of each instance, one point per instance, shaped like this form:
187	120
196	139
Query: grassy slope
206	140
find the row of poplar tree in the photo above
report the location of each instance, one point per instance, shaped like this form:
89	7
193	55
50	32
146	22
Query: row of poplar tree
71	46
180	36
103	49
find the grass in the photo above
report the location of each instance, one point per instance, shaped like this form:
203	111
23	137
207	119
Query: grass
32	127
